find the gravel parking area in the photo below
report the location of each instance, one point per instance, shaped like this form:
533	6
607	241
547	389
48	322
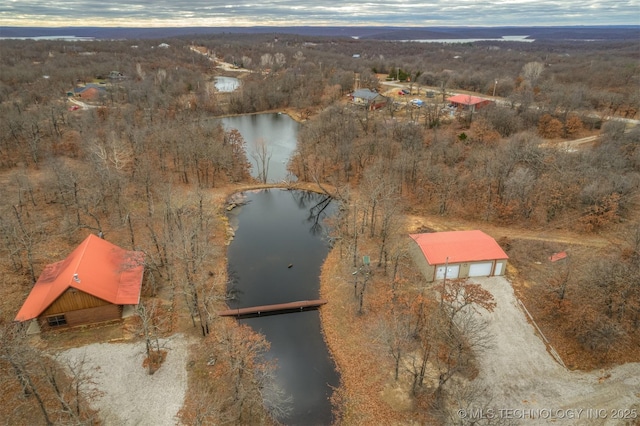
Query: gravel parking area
127	394
520	374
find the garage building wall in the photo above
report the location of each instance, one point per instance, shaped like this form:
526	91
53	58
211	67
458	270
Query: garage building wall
453	271
500	267
480	268
428	271
434	272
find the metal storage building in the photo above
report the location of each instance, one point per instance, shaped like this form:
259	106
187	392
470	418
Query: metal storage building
457	254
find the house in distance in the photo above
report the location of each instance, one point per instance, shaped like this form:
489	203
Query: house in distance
369	99
91	285
468	102
457	254
90	91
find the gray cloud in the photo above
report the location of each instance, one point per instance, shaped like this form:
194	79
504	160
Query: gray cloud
307	12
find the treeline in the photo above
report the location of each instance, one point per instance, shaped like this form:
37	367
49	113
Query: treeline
465	174
574	76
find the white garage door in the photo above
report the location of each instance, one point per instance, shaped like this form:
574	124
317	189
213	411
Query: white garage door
452	271
480	269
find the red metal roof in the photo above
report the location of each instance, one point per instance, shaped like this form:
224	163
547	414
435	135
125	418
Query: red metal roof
558	256
96	267
467	99
458	247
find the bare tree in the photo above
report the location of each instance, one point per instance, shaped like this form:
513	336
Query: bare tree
396	330
461	332
59	394
474	402
532	71
71	391
262	156
151	324
239	352
26	234
20	357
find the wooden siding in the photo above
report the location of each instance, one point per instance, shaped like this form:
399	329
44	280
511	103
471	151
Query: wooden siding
92	315
97	314
73	300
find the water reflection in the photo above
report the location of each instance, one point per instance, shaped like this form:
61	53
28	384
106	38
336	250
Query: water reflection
318	204
278	132
277	229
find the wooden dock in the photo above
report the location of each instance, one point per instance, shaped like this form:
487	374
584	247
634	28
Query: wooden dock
279	308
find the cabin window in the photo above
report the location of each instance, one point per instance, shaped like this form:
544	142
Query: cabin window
56	320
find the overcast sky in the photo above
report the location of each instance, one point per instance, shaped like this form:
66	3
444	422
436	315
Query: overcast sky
163	13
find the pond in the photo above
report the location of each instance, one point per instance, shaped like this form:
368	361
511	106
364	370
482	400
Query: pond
278	132
276	257
226	84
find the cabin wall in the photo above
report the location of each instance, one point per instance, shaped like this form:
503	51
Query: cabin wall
97	314
73	300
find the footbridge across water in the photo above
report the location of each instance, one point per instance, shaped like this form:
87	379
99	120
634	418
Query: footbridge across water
280	308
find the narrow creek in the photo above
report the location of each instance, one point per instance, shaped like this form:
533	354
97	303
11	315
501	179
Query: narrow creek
275	257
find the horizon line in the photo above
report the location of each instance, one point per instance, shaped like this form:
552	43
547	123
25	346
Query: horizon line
406	26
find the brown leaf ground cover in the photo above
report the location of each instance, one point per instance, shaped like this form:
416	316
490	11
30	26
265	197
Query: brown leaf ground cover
363	365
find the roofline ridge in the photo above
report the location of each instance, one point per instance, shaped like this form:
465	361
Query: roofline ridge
76	266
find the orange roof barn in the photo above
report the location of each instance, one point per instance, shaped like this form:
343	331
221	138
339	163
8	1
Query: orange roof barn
457	254
96	267
458	246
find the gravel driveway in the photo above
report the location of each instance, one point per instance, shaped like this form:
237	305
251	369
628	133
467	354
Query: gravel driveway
128	395
527	386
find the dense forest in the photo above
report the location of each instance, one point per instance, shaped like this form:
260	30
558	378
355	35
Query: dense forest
148	165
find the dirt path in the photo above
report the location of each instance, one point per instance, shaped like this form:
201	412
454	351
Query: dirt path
442	223
573	144
525	385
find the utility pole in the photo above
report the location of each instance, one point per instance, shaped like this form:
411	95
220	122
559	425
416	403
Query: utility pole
444	281
494	87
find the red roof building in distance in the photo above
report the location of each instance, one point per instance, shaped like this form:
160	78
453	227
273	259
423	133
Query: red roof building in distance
469	102
458	254
96	277
558	256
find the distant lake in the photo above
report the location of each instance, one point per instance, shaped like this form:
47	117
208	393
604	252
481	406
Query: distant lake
61	37
226	84
471	40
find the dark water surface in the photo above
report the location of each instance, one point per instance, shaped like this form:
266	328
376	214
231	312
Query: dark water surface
278	131
278	228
